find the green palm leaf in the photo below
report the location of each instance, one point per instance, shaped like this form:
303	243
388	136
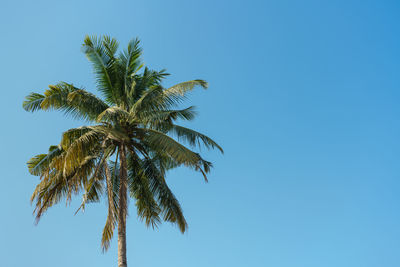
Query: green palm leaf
194	138
33	101
103	64
87	103
171	209
41	163
179	90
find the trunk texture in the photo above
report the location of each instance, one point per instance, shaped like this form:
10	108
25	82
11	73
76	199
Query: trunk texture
122	210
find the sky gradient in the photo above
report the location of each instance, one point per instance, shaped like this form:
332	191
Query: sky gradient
303	97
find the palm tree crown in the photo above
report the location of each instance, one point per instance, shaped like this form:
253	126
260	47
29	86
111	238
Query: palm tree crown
129	144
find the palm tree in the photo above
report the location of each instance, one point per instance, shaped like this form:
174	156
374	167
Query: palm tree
129	144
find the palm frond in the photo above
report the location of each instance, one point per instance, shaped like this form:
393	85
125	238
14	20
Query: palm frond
147	208
94	187
194	138
103	65
69	136
113	115
130	63
110	46
179	90
56	97
87	144
159	141
87	104
162	142
171	209
47	193
112	215
65	97
41	163
162	117
55	186
148	79
157	99
33	102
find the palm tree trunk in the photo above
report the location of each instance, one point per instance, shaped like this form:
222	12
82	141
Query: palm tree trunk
122	209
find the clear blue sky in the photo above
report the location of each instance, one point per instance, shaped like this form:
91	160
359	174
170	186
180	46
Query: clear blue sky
304	97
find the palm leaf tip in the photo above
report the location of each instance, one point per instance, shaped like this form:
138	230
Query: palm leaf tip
33	102
34	162
202	83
